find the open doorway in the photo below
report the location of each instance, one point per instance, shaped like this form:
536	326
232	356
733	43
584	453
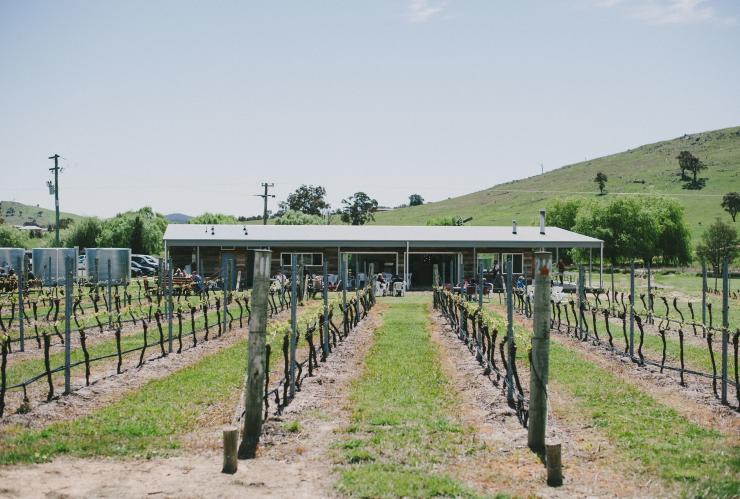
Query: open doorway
359	264
421	266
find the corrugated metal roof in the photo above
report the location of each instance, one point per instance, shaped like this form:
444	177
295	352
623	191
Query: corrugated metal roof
347	236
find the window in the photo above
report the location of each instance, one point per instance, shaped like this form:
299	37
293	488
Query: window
486	261
517	259
305	259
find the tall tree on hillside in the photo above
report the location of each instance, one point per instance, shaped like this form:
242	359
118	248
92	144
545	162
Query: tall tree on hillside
695	167
308	199
416	200
601	179
358	209
731	203
685	159
718	241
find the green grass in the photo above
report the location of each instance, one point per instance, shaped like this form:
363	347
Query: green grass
686	286
665	444
145	422
403	426
26	368
655	164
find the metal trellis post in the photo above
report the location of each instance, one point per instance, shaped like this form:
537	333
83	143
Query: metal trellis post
632	309
325	296
170	280
293	319
703	292
68	269
725	323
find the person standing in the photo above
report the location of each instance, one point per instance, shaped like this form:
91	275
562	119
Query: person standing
561	270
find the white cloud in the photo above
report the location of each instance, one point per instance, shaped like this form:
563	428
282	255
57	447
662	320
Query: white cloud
665	12
421	11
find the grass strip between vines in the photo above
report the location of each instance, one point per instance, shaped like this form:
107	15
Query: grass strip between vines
702	461
146	422
403	431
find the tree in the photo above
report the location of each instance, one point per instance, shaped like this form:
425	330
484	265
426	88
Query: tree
637	229
358	209
117	232
10	237
562	213
453	220
293	217
601	179
137	236
718	241
308	199
84	234
416	200
695	168
731	203
685	159
213	219
689	162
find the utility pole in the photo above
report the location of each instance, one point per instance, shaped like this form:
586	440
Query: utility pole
56	194
265	196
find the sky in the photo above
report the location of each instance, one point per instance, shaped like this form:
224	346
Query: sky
189	106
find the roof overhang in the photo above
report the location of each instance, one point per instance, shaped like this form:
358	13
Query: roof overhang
373	236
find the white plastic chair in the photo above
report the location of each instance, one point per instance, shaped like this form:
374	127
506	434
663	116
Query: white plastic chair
399	289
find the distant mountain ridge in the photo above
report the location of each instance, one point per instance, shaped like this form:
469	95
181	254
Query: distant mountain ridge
14	213
177	218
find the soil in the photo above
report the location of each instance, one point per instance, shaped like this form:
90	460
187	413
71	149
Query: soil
288	463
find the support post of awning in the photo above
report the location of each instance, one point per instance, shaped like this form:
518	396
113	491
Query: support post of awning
601	266
590	266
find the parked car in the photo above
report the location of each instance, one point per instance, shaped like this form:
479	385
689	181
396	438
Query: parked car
146	262
137	270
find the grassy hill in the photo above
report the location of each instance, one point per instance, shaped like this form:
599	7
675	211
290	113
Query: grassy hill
647	170
18	213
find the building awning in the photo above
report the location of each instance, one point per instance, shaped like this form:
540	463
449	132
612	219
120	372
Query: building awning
374	236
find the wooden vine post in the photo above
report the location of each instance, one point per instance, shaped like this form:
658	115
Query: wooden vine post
540	353
255	358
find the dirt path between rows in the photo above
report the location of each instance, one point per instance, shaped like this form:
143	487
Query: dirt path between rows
295	464
590	465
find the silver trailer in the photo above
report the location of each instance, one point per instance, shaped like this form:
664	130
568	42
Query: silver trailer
48	264
12	259
100	260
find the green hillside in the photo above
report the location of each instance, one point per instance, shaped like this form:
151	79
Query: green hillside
649	169
14	213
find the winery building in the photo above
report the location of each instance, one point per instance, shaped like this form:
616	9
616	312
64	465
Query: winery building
407	251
